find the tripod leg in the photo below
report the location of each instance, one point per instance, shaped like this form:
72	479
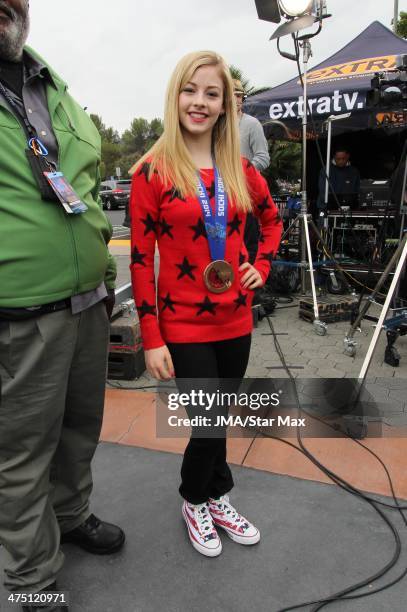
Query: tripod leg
372	346
319	326
379	285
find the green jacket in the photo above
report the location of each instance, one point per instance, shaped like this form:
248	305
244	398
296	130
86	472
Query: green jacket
45	254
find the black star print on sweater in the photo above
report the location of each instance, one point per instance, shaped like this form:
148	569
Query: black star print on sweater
199	229
269	256
206	306
137	257
186	269
146	309
242	258
168	303
263	206
149	223
240	301
234	226
166	228
144	169
174	195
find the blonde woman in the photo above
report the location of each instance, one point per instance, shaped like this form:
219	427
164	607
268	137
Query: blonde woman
191	193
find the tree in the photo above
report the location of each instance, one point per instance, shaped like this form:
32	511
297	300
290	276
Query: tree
285	162
124	152
106	134
249	89
401	26
111	148
141	135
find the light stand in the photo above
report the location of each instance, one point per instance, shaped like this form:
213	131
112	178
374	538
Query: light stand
306	252
298	19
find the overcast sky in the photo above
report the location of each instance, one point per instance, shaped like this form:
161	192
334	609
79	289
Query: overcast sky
117	56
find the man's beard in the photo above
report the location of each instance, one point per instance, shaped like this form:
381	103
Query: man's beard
13	36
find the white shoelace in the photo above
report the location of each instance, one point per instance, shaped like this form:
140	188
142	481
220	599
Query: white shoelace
224	505
203	519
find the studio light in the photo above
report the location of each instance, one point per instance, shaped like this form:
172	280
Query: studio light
296	8
300	14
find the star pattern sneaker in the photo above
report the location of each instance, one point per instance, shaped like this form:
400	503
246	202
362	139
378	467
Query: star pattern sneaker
202	533
236	526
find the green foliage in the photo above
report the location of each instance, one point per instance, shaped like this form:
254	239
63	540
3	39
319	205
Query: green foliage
107	134
142	135
285	162
123	152
249	89
401	27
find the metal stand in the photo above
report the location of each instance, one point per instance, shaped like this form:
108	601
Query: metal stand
350	343
306	223
306	254
399	256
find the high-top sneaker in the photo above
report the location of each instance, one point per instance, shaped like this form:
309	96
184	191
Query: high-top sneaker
236	526
202	533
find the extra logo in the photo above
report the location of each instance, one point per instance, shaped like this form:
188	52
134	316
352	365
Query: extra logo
355	68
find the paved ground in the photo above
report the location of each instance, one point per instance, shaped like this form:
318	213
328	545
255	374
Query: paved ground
313	356
316	540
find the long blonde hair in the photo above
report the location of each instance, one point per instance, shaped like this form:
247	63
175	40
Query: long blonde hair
170	157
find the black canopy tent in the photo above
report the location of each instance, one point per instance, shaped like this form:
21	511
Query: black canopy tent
375	137
337	85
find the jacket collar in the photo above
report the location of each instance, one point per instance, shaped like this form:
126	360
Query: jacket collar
38	66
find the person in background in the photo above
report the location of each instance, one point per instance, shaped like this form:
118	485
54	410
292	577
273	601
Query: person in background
254	147
344	178
56	296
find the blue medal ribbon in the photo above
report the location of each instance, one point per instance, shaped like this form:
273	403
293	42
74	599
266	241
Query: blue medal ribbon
215	224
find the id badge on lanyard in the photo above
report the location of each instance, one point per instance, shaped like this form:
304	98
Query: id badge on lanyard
52	185
62	190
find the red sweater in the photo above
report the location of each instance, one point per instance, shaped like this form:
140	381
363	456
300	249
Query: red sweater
181	309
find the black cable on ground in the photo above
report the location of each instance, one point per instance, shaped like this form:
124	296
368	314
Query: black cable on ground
343	594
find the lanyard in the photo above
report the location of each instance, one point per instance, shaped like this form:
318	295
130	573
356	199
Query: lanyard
33	141
215	224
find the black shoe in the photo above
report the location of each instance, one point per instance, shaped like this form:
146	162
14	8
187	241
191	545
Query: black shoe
51	588
96	536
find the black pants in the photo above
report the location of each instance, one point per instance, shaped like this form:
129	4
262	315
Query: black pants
205	472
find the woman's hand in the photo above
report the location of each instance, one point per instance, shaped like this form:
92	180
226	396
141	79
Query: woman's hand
252	278
159	363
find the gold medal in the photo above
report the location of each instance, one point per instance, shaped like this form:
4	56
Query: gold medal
218	276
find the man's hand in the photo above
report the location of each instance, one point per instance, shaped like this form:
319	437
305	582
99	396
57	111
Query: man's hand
252	279
159	363
109	301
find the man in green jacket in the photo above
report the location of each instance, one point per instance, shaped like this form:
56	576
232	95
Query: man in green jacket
56	291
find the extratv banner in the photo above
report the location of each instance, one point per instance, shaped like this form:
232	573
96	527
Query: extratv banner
337	85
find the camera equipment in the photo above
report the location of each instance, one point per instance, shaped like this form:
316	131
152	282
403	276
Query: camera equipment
374	194
389	88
